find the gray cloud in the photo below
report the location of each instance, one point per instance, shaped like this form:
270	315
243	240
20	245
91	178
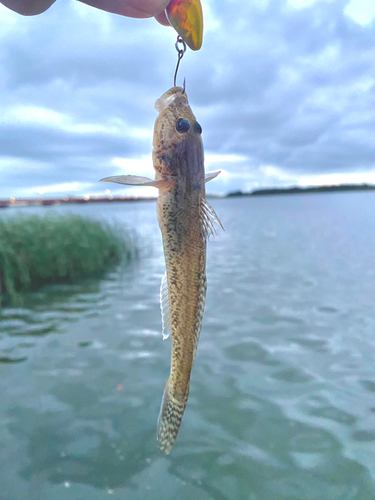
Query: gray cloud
291	88
44	144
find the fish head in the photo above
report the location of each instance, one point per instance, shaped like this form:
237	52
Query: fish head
177	135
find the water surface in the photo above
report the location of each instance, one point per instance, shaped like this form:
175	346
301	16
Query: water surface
282	398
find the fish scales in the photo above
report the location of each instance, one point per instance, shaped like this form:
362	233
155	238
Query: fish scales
185	221
180	155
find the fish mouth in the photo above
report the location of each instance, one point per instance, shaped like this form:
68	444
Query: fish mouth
168	98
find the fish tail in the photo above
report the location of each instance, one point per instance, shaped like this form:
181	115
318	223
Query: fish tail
171	412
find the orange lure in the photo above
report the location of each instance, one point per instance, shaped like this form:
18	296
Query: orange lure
187	19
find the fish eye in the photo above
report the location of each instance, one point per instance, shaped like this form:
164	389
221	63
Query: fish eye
197	128
182	125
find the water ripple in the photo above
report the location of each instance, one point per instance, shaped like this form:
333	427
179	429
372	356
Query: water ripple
12	360
282	396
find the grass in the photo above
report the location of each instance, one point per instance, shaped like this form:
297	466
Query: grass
35	251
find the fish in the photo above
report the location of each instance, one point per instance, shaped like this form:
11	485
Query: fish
186	221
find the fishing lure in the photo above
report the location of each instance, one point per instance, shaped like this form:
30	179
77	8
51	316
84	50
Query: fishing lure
187	19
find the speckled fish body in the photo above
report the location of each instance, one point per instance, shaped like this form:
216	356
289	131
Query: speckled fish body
185	220
179	155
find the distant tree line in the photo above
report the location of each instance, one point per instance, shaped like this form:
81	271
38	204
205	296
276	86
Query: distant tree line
303	190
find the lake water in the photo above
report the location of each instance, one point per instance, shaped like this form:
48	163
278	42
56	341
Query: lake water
282	398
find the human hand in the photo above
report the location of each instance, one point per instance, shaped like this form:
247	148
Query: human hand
129	8
184	15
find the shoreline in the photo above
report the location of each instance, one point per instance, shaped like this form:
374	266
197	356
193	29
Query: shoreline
341	188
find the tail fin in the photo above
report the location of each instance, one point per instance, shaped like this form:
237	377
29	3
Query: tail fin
171	412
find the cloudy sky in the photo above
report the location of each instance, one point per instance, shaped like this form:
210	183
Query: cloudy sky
284	91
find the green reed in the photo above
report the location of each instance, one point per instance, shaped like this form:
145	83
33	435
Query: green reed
35	251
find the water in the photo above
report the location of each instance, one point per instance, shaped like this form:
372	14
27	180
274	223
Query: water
282	399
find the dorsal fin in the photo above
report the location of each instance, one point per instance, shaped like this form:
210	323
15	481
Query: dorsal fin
208	217
164	306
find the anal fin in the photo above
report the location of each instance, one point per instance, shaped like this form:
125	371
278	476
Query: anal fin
164	306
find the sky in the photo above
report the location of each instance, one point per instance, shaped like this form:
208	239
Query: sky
284	91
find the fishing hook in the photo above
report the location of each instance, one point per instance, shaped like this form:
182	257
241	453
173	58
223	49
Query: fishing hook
180	55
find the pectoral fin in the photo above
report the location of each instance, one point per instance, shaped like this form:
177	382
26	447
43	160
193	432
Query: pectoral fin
208	217
137	180
211	175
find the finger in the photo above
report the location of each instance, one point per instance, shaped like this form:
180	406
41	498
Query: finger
130	8
162	19
28	7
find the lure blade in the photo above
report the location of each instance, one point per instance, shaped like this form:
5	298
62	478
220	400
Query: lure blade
187	19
